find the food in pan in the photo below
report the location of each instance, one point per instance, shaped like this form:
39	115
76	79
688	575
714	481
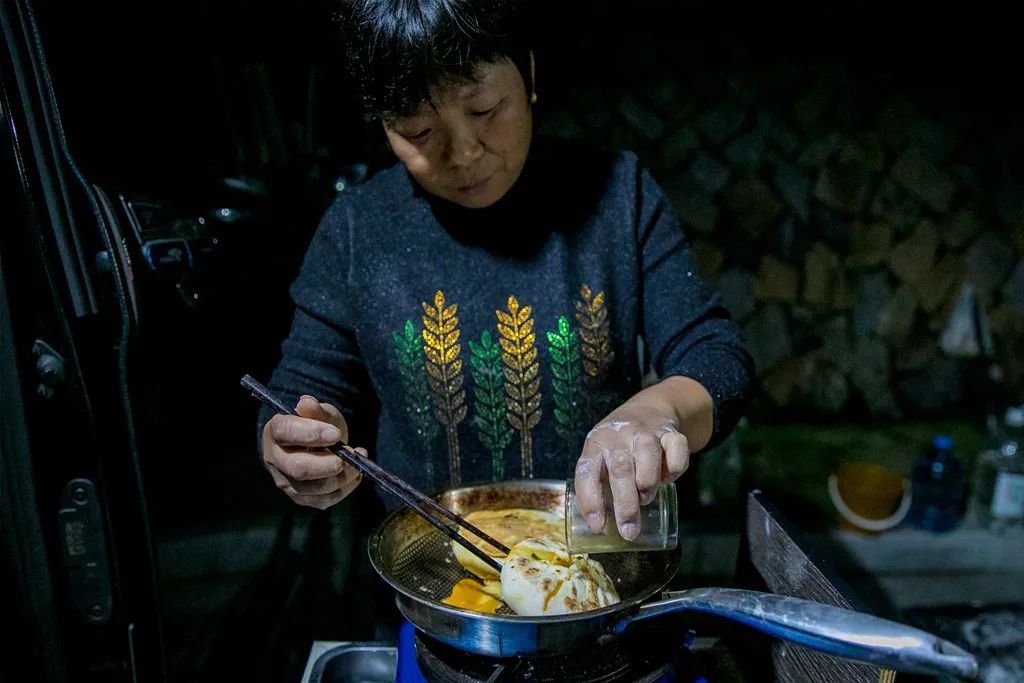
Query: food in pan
539	577
509	526
473	595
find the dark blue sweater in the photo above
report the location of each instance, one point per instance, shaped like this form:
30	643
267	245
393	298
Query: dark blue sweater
484	344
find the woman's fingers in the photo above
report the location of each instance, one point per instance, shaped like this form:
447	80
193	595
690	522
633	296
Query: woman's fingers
677	455
588	485
299	465
621	468
295	452
633	463
325	501
325	412
291	430
319	487
302	465
648	459
320	492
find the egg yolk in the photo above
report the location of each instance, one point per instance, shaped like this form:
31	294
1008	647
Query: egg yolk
469	594
548	557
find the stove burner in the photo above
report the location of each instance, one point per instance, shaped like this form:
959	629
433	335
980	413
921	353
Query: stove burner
633	658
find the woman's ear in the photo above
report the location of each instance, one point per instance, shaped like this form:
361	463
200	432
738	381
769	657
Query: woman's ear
533	79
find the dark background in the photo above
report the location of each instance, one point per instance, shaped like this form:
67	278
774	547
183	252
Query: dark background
723	101
169	94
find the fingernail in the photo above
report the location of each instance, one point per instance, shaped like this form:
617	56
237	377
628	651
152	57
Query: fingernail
629	531
595	522
330	434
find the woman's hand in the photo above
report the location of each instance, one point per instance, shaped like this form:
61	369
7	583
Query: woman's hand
634	450
295	452
637	447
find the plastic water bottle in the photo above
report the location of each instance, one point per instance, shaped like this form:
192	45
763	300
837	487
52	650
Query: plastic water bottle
937	488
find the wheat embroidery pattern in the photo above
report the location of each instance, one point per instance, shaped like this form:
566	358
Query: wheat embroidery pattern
566	379
489	406
409	353
444	370
522	376
592	317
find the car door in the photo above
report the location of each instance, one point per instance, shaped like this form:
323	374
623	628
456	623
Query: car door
78	555
145	268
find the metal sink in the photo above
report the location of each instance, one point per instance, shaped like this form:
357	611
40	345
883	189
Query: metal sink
351	663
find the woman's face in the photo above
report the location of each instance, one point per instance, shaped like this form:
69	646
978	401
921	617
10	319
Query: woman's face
469	145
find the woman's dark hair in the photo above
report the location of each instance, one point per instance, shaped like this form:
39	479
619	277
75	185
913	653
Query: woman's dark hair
398	49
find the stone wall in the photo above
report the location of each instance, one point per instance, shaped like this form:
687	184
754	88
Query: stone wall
839	210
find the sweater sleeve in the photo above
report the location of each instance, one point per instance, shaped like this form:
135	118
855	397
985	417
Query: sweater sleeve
321	355
686	329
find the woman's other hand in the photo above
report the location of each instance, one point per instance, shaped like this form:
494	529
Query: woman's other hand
295	452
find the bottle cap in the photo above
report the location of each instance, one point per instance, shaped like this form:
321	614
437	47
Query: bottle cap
942	442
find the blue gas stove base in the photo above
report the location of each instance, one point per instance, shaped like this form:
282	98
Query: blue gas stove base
383	663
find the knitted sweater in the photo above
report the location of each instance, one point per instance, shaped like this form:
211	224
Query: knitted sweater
469	345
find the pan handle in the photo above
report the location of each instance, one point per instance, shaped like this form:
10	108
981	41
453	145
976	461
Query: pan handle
837	631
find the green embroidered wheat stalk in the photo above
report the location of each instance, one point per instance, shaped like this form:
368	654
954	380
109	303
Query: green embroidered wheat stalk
409	352
566	372
492	427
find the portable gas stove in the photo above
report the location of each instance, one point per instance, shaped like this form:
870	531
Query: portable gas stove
651	655
647	656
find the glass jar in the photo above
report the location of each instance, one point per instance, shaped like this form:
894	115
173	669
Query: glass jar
659	524
998	488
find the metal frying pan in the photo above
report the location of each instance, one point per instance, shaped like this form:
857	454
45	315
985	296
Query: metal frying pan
416	560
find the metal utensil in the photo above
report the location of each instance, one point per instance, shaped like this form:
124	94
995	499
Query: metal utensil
418	563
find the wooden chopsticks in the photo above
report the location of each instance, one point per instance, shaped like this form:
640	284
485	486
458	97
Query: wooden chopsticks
410	496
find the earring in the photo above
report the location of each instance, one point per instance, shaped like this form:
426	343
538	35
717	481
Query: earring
533	98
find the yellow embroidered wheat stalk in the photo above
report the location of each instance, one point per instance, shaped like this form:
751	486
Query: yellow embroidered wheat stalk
592	316
522	381
444	369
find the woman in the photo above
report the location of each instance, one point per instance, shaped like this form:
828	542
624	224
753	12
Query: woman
481	300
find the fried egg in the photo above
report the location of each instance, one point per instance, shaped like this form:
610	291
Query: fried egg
539	577
472	595
509	526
